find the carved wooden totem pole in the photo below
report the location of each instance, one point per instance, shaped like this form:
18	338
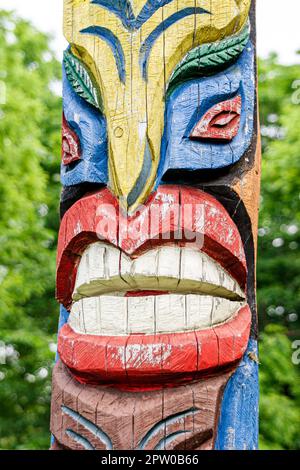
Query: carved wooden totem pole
156	257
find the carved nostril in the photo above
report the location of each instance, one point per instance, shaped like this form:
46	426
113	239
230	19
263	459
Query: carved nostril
118	132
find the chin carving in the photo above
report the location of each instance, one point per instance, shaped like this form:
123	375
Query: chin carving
157	244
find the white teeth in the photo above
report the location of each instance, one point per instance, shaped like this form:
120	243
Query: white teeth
141	314
199	310
168	267
119	316
104	269
200	293
170	313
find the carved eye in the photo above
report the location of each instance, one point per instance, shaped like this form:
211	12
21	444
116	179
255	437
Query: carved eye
70	144
221	122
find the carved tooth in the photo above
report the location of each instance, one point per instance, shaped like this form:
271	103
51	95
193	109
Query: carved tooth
96	261
199	273
236	288
192	311
81	317
211	272
125	270
82	273
223	310
169	313
198	311
141	317
90	316
112	264
168	267
119	316
144	269
74	318
191	270
113	315
98	271
99	314
93	267
103	269
228	283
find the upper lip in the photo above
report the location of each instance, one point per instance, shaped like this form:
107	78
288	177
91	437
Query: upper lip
222	243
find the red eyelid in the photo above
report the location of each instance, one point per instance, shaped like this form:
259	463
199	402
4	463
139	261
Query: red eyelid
221	122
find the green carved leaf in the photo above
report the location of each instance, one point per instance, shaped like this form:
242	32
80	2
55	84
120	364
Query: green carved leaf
210	58
82	80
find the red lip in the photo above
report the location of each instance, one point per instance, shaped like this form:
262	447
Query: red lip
148	361
86	221
135	360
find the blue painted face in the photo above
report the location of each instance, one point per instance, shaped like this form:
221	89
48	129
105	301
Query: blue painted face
185	107
90	126
190	101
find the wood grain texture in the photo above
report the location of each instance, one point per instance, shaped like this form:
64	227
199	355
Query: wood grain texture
160	108
104	37
221	122
149	361
238	424
103	418
71	151
98	215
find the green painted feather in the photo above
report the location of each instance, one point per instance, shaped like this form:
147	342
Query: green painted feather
210	58
81	80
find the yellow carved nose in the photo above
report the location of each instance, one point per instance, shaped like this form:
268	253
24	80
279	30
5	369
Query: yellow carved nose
133	157
134	136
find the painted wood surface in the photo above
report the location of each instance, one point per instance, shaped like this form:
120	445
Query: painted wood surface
157	245
238	424
138	52
91	417
173	211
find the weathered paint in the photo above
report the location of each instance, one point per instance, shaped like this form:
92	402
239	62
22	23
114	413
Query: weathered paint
146	361
238	422
87	221
90	127
187	412
157	91
106	41
190	101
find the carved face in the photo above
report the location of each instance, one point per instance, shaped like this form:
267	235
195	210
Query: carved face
160	173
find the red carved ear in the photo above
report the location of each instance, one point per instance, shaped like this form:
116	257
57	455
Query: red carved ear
70	144
221	122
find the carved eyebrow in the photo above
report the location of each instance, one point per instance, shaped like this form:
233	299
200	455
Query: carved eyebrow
149	42
209	58
123	10
114	44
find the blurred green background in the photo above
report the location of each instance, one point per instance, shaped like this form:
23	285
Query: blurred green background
30	122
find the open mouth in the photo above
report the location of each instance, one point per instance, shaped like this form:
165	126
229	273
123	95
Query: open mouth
166	290
167	314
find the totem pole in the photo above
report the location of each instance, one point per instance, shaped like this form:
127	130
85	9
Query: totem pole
157	343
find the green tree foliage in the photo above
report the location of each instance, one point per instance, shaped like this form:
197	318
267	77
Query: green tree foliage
29	165
280	392
279	242
30	117
279	254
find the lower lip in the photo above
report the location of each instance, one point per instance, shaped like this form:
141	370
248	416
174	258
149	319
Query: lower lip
146	362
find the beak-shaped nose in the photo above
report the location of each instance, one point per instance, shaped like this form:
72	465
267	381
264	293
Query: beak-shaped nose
133	159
